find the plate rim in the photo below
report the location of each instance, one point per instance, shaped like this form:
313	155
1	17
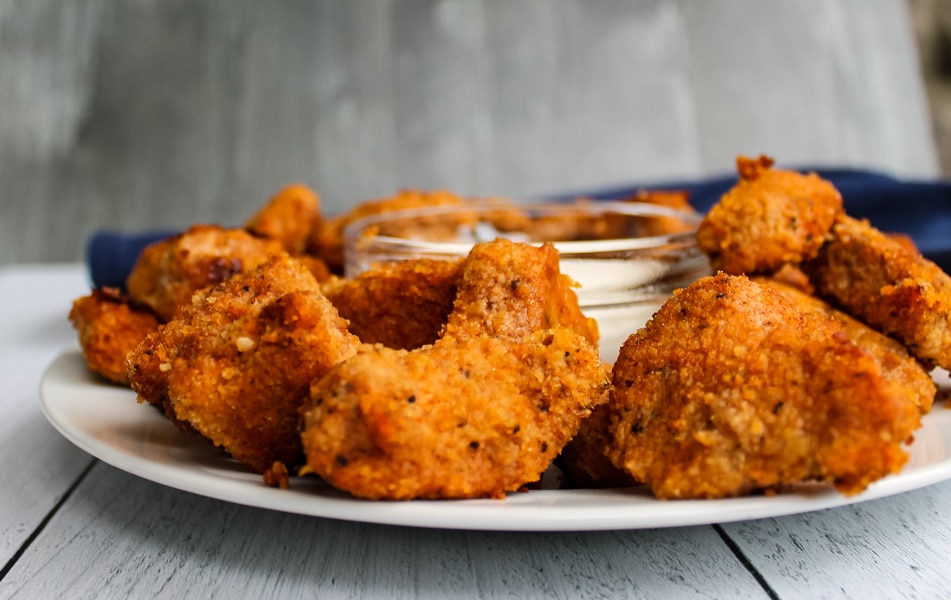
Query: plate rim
536	510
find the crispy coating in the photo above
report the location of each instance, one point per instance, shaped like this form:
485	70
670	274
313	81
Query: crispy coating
896	363
317	267
237	362
888	285
400	305
480	412
731	389
109	328
277	476
469	418
770	218
289	217
905	240
510	289
167	273
327	239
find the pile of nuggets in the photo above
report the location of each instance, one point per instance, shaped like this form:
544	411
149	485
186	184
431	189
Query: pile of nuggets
805	358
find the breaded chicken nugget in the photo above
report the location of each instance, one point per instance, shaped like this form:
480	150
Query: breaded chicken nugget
730	389
327	239
236	363
468	418
897	364
400	305
109	328
167	273
480	412
511	289
770	218
289	217
890	286
317	267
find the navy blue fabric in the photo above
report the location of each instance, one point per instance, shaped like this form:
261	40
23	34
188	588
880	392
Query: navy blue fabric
921	210
110	255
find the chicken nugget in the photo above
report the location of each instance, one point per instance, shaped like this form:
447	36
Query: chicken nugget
896	363
480	412
236	362
731	389
511	289
316	265
469	418
327	241
167	273
289	217
888	285
770	218
109	328
401	305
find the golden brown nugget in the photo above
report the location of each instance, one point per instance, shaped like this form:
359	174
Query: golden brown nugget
511	289
327	239
480	412
888	285
400	305
470	418
730	388
897	364
237	362
168	272
109	328
500	288
770	218
289	217
317	267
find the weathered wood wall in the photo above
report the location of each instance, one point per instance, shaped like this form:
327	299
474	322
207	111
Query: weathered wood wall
160	113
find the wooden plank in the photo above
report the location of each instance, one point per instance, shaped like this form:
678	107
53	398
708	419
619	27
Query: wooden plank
158	114
120	536
892	547
37	465
811	82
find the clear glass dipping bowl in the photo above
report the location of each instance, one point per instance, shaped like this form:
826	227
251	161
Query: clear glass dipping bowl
627	257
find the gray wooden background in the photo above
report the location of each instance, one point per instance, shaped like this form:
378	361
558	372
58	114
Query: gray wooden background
141	114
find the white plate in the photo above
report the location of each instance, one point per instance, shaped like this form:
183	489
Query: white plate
106	421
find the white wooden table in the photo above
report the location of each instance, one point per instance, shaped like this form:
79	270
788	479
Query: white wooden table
74	527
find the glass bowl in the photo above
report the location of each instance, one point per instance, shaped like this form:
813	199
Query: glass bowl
627	257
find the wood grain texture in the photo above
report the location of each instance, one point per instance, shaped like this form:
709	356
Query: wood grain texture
116	535
161	113
849	552
120	536
37	465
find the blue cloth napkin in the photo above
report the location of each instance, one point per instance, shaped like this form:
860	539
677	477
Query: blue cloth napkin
921	210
